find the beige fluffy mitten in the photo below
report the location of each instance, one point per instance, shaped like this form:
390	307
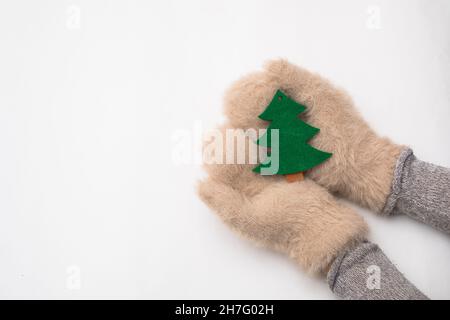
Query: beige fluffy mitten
362	166
300	219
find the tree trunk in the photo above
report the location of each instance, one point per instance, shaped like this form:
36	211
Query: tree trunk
294	177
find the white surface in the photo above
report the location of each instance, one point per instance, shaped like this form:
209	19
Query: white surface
91	203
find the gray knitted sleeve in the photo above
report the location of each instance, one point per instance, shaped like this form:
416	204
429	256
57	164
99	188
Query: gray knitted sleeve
420	190
365	273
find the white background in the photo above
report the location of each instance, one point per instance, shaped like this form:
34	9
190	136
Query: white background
91	93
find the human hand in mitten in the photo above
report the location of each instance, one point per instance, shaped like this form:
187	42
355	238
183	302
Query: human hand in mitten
300	219
365	168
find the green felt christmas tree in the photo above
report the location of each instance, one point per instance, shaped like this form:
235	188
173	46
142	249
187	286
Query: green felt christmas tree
295	155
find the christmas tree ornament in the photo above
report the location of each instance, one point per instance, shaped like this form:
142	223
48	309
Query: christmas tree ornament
295	155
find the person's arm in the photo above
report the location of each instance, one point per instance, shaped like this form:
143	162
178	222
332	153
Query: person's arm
363	272
421	190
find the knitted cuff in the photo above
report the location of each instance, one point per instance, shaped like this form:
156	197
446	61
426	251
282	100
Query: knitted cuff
420	190
364	272
397	181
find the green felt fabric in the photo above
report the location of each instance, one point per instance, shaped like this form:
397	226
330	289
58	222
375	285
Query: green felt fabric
295	154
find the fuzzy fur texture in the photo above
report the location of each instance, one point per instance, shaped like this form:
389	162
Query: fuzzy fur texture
361	168
300	219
